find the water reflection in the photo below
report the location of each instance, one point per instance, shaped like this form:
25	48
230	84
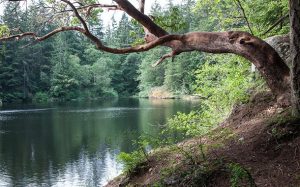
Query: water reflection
74	144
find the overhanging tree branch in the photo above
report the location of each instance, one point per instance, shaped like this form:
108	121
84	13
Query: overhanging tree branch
141	18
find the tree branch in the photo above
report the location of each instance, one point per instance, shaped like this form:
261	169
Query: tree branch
141	18
169	55
86	32
38	39
77	15
91	7
244	14
276	23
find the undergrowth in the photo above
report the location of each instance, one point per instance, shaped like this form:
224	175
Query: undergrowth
223	80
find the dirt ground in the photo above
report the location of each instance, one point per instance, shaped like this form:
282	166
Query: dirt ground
262	138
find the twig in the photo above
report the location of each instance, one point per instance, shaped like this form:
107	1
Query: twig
244	14
276	23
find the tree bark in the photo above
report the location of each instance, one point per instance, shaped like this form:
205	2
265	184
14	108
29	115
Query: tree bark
295	53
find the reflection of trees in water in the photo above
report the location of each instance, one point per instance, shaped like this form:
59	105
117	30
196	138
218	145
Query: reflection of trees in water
89	171
82	168
74	143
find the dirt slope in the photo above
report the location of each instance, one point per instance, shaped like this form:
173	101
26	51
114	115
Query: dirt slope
258	145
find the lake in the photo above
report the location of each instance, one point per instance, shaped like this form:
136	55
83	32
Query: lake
76	143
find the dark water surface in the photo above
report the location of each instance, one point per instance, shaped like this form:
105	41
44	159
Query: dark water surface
74	144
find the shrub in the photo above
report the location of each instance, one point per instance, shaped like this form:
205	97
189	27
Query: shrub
41	97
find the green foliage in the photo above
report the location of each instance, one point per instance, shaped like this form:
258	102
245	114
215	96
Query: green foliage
131	160
224	15
4	30
171	20
220	71
40	97
222	81
178	77
264	13
238	174
135	160
216	15
65	81
150	77
75	21
190	124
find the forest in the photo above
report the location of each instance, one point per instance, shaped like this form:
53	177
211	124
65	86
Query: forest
245	130
68	66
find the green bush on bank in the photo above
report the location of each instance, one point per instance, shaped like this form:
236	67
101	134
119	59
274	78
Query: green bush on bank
222	81
41	97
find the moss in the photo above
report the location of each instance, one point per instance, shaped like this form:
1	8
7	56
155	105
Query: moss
239	175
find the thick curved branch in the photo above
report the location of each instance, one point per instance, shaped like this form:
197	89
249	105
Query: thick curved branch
141	18
144	47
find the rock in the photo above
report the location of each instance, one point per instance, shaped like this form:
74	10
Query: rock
281	43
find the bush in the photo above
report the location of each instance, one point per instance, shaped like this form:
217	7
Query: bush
40	97
222	81
131	161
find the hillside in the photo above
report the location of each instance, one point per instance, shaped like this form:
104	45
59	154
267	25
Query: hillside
258	145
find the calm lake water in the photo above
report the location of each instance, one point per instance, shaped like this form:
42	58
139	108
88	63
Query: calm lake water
75	144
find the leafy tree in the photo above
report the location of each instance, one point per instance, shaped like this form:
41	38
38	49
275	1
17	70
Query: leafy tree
101	78
65	80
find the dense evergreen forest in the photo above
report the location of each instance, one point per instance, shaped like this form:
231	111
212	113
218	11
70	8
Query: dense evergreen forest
68	66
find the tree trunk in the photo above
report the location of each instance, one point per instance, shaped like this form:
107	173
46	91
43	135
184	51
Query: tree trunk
295	53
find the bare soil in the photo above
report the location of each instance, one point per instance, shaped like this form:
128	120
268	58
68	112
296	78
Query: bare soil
259	136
